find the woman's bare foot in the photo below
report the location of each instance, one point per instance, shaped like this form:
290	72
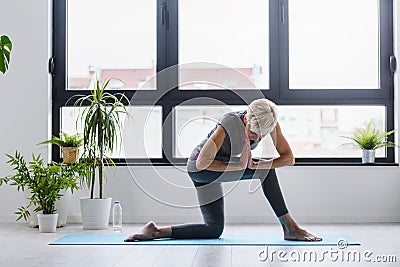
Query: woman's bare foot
149	232
300	235
291	230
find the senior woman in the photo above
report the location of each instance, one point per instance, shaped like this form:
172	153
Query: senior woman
216	159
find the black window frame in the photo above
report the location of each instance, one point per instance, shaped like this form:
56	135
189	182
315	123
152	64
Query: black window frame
279	91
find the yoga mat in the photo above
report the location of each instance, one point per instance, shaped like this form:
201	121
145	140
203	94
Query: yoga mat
224	240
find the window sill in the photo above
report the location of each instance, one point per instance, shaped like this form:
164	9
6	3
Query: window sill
298	164
377	164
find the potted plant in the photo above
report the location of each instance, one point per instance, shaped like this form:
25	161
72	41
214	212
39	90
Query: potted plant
69	146
369	139
101	119
5	51
44	182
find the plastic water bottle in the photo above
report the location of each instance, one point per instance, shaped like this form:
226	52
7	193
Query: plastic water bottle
117	217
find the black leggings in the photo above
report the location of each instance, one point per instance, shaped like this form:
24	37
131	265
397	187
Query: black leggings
210	196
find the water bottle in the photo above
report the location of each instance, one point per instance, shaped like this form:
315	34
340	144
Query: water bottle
117	217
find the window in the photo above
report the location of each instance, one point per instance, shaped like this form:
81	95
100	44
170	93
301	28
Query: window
184	63
312	131
334	44
232	35
111	39
141	131
316	131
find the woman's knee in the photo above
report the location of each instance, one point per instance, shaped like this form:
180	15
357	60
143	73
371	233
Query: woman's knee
266	174
215	230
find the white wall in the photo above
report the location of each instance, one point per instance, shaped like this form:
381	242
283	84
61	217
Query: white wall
24	88
313	194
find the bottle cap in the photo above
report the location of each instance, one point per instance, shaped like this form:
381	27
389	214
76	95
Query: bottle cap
116	202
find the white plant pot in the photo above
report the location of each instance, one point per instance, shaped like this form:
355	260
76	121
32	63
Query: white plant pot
95	213
368	156
62	207
47	222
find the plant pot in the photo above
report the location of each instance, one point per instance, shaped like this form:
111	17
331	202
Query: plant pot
62	207
70	154
47	222
368	156
95	213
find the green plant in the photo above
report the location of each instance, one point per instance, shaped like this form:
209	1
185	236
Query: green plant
66	140
5	51
101	120
43	181
370	138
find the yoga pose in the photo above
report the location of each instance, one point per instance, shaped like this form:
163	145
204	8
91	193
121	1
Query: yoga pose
216	159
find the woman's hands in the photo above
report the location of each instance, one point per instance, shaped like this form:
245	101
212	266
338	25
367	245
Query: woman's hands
246	154
206	159
246	160
252	164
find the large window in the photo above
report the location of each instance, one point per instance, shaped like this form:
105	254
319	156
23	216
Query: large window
184	63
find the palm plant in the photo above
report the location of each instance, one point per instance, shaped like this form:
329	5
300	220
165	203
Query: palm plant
370	138
5	51
101	120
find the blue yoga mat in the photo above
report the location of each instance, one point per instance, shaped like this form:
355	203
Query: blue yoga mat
224	240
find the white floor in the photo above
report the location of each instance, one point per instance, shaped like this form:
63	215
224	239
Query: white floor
21	245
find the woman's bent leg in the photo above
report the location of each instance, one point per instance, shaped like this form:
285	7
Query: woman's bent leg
212	208
211	203
273	193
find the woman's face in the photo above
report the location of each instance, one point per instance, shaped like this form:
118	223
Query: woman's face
251	135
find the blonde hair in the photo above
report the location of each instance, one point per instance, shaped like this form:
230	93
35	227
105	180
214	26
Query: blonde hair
262	116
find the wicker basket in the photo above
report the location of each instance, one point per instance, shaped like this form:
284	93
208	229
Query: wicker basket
70	154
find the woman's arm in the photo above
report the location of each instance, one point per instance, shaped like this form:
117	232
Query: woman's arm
206	159
285	158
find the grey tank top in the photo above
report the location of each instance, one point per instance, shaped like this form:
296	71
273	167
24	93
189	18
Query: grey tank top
234	127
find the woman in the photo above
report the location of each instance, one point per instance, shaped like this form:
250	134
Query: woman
213	162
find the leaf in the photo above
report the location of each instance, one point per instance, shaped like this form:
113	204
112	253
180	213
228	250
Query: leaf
23	212
5	51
